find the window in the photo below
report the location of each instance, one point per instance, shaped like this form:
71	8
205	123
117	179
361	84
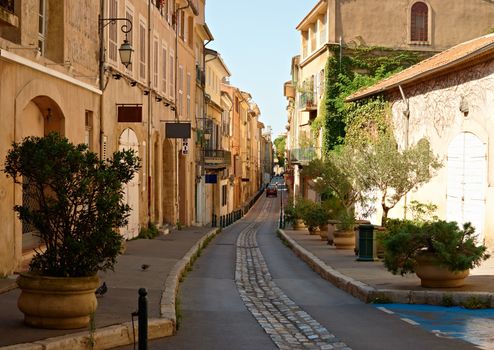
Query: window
164	55
156	63
305	39
180	89
188	95
112	30
313	35
142	50
323	30
88	134
172	76
419	22
190	32
42	26
129	14
224	189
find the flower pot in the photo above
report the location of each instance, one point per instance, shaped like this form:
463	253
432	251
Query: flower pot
323	232
433	275
344	239
57	302
313	230
298	224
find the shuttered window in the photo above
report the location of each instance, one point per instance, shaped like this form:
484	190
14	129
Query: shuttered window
419	22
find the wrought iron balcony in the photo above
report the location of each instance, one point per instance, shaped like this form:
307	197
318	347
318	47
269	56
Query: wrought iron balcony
307	102
7	5
302	156
7	16
217	159
200	76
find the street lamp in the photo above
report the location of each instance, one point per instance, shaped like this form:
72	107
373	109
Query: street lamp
125	50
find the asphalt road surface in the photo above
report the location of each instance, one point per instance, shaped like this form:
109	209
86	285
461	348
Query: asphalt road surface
249	291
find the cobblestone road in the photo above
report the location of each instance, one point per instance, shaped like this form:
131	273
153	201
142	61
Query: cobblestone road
286	323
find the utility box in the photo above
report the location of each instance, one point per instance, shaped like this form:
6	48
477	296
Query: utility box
367	243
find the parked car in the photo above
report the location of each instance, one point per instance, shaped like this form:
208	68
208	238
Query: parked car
281	187
271	190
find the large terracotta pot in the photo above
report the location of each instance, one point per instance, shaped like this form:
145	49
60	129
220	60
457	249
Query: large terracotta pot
344	239
57	302
298	224
323	232
434	276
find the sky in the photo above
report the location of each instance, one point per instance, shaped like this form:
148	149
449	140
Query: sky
257	40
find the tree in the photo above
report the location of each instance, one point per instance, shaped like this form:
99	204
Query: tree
382	167
280	144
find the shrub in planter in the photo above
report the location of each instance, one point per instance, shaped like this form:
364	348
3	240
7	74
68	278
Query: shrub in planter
442	243
78	210
294	210
314	215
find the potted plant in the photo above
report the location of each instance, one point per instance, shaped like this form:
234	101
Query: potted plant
76	206
314	216
294	212
439	252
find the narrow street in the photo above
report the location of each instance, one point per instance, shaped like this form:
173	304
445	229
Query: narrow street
249	291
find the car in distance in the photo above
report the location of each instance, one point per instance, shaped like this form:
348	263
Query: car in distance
271	190
281	187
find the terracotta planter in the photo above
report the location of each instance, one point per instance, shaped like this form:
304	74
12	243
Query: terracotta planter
344	239
298	224
323	232
57	302
313	230
434	276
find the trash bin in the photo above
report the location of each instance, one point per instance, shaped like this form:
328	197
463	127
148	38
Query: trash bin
367	243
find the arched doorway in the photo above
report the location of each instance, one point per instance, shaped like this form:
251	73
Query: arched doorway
40	116
466	186
128	140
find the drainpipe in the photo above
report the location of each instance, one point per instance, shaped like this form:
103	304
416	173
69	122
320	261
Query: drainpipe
148	136
406	114
177	199
101	76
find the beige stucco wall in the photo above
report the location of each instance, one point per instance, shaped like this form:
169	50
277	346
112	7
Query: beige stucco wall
386	23
435	114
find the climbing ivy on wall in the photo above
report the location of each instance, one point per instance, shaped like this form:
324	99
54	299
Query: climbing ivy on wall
359	67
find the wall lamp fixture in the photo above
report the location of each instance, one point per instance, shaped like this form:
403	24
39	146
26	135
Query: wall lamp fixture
125	50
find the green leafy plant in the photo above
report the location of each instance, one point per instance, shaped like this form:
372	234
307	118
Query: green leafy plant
452	247
314	215
149	232
475	303
294	209
78	203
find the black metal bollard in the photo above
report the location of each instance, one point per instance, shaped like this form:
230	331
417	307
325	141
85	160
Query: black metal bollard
213	221
142	318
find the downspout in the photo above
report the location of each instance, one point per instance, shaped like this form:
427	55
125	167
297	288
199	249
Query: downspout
148	136
406	114
177	208
203	120
101	77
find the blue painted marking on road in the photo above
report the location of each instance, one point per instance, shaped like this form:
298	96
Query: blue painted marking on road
473	326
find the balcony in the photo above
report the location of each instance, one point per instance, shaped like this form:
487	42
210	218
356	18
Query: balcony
217	159
7	16
302	156
200	76
306	102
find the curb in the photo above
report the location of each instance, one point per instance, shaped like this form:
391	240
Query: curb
369	294
122	334
170	290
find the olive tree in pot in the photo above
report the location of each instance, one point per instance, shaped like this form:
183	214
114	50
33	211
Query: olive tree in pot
439	252
78	208
314	216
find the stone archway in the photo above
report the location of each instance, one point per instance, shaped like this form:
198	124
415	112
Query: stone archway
128	140
39	117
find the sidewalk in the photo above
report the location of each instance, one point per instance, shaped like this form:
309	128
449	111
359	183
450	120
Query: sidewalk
371	282
167	257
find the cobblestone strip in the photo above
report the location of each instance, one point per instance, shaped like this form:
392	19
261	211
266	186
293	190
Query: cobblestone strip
286	323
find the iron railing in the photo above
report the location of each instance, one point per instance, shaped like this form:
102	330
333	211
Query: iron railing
306	101
304	155
7	5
